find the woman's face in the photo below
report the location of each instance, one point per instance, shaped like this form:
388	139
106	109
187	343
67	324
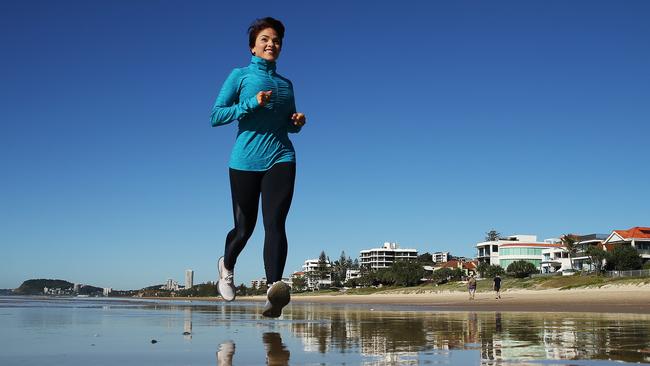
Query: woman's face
267	45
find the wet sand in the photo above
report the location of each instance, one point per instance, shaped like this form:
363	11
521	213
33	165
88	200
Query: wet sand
620	299
591	300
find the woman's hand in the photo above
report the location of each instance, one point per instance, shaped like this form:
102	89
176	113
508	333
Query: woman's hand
263	97
298	119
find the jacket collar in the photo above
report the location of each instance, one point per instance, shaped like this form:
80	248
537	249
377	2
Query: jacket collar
262	64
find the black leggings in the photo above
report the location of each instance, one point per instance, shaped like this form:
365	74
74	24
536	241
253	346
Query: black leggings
276	187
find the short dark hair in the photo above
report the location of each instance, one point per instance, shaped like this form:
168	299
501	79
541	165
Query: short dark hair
262	23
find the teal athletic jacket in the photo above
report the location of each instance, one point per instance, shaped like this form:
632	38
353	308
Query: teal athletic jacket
262	139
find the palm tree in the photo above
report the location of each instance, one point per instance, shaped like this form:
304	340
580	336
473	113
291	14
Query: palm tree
569	242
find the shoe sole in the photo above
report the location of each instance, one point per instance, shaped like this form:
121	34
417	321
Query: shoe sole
279	296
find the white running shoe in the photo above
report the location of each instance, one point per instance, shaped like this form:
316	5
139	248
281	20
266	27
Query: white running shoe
277	297
225	284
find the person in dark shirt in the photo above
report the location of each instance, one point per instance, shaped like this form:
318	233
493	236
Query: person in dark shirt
497	286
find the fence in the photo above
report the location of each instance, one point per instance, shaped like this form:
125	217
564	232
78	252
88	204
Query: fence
546	274
636	273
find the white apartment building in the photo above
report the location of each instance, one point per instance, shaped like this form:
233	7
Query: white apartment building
263	282
189	278
440	257
258	283
170	285
107	291
351	274
310	266
385	256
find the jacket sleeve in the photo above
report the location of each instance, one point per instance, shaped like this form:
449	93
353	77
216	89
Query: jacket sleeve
292	128
228	107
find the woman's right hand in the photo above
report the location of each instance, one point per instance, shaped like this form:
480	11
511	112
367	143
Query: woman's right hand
263	97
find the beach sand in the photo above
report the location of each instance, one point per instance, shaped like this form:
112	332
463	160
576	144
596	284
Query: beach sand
618	300
608	299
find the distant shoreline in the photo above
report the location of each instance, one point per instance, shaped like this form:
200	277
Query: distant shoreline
615	299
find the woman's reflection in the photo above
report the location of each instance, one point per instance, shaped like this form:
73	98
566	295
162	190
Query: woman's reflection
277	353
224	355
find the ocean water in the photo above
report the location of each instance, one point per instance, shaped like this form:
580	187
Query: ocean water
71	331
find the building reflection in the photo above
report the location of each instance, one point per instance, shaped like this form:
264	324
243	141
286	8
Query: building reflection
404	337
411	337
187	323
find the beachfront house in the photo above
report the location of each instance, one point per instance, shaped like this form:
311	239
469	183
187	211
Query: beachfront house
351	274
581	261
555	259
638	237
488	251
468	267
529	252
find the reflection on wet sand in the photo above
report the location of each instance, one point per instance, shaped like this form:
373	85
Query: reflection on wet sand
391	337
187	323
402	336
225	353
277	353
312	334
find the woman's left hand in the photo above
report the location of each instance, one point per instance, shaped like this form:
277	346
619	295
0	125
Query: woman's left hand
298	119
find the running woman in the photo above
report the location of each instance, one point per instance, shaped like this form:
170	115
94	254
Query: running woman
263	160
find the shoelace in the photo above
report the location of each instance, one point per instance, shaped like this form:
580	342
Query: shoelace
228	278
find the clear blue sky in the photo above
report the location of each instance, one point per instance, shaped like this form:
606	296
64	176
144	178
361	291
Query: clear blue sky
428	125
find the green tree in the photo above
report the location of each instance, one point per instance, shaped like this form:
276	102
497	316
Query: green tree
425	258
625	258
339	269
441	275
457	274
406	273
494	270
569	243
352	282
299	284
355	264
242	290
368	278
322	269
596	257
492	235
521	269
482	269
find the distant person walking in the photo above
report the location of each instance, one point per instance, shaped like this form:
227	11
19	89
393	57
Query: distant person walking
263	160
497	286
471	287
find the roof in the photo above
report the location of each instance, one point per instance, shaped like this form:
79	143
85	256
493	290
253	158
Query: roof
534	245
637	232
457	264
388	250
